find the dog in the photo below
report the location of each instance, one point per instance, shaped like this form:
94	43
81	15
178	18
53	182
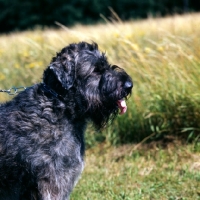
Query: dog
42	128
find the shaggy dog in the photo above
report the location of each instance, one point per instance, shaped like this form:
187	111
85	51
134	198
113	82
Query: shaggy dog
42	128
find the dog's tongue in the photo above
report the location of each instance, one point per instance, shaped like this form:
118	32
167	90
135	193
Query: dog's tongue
122	106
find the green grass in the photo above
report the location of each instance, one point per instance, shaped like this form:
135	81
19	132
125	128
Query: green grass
126	172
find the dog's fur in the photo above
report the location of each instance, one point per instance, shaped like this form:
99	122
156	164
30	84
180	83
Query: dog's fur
42	128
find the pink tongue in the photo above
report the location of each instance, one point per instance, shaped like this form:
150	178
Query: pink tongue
122	106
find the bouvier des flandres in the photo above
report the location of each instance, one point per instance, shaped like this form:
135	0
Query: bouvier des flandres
42	128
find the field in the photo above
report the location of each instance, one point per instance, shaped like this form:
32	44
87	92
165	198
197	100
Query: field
147	173
152	152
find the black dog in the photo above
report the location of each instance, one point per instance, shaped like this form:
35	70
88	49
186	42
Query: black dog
42	128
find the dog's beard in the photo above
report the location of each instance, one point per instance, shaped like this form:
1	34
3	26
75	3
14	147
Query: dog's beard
102	115
103	109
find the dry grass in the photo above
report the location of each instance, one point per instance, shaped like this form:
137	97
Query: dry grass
162	56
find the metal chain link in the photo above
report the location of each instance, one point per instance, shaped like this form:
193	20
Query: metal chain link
13	90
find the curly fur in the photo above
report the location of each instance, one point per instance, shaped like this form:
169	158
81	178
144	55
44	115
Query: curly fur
42	128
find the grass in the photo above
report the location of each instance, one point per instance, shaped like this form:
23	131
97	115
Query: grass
147	172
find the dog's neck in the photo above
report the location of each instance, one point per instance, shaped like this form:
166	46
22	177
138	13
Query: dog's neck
50	91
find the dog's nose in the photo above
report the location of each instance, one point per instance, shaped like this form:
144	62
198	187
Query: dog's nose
128	84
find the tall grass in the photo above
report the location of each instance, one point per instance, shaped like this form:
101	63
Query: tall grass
162	56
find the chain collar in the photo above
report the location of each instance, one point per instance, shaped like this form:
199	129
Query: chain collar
46	88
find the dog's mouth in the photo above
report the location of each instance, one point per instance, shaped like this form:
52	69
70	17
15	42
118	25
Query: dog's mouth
122	106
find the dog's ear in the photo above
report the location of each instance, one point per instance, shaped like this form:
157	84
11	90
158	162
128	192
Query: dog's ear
64	72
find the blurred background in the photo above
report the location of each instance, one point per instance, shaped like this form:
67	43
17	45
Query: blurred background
25	14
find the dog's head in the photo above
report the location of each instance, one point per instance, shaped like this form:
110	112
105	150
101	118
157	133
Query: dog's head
82	73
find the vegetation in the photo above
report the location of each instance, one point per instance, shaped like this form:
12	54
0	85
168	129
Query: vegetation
129	173
162	56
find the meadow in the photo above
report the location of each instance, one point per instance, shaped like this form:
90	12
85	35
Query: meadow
152	152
